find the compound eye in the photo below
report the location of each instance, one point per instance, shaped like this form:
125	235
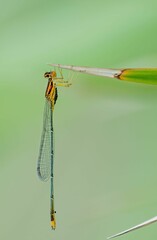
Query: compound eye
47	74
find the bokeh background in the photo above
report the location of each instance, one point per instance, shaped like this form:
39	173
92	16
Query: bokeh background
105	130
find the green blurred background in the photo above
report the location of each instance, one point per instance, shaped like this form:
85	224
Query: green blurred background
105	130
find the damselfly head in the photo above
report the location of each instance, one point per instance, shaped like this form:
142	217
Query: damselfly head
50	74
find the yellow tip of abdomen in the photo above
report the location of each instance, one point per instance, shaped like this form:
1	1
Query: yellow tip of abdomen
53	222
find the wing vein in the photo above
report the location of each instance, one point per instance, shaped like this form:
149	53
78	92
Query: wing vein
44	159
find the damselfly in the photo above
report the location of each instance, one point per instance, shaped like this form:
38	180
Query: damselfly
138	75
46	153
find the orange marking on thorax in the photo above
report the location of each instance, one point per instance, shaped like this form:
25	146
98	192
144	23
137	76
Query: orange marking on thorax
49	88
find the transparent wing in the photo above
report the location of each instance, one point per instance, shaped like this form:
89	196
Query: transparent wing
44	159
